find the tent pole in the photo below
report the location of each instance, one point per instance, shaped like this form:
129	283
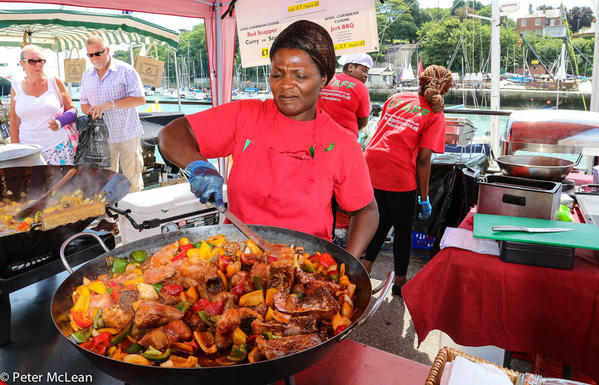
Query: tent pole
58	62
131	53
219	55
177	80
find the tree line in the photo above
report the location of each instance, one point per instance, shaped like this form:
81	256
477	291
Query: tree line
440	34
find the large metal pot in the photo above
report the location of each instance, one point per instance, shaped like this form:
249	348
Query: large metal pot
535	166
257	373
25	183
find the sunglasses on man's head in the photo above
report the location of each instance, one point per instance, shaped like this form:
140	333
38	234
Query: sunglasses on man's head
99	53
35	61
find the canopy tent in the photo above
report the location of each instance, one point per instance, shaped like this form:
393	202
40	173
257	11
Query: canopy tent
220	33
64	29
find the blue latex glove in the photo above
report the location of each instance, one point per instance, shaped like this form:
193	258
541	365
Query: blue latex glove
425	208
205	182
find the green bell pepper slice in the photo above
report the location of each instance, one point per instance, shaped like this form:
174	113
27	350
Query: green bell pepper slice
134	348
122	335
139	255
257	285
156	355
82	335
238	353
207	318
182	306
119	265
98	320
158	287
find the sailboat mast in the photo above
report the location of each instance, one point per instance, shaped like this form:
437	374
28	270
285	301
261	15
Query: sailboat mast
495	64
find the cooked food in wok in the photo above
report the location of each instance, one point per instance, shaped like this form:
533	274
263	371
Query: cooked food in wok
212	303
8	208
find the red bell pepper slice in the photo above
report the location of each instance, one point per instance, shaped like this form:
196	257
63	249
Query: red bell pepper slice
223	262
172	289
100	343
200	305
271	259
248	259
326	260
340	328
183	253
116	288
251	339
215	308
81	320
238	289
314	258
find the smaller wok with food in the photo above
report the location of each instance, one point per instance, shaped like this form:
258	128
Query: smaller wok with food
210	302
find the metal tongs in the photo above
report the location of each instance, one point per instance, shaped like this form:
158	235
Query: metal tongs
532	229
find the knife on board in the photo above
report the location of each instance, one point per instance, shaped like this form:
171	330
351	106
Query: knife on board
532	229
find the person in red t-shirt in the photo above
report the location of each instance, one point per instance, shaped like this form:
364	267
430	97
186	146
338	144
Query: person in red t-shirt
289	158
346	97
411	128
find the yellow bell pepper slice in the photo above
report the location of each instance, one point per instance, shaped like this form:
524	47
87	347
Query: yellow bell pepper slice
224	279
253	298
205	251
270	296
82	303
192	294
134	281
97	287
183	241
239	337
269	315
254	249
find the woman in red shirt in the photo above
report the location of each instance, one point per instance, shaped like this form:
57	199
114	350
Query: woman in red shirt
411	128
288	157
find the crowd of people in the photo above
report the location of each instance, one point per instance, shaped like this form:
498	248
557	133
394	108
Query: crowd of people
297	162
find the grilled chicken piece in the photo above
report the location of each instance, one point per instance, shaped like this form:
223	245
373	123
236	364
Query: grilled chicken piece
152	314
164	336
280	347
297	325
312	282
227	298
164	256
155	275
116	317
232	319
262	271
281	275
126	299
242	278
99	301
321	304
158	338
168	299
204	275
178	329
280	251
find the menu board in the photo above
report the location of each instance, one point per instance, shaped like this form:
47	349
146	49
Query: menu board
352	25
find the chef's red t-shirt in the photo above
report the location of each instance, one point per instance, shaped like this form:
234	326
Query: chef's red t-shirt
346	99
279	194
407	123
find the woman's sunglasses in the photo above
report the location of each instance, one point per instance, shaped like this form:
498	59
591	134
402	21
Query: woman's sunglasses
35	61
99	53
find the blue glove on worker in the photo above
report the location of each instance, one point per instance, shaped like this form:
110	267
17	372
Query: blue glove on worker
205	182
425	208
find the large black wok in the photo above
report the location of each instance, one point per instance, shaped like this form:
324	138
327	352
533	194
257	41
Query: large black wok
25	183
258	373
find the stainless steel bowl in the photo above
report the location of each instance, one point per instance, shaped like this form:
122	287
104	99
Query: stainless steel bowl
535	166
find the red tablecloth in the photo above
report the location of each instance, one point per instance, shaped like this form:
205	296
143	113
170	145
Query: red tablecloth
478	300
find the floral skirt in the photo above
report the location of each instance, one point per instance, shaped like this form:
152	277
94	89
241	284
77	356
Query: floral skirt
61	154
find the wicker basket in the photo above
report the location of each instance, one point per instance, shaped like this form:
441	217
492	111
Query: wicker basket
448	354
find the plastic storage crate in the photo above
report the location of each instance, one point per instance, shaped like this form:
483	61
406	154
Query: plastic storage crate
422	241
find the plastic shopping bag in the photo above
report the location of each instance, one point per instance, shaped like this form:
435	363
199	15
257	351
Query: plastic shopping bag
93	149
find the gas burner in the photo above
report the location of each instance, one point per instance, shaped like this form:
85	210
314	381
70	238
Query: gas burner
29	270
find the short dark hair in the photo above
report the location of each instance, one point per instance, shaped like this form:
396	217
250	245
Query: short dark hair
311	38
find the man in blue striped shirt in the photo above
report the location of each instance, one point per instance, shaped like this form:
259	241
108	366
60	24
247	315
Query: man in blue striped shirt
112	89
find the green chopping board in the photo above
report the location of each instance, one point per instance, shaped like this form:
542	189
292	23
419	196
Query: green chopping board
583	236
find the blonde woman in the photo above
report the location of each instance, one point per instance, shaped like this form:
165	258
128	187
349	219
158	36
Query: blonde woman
37	115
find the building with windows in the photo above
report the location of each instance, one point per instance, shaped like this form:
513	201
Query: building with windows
548	22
